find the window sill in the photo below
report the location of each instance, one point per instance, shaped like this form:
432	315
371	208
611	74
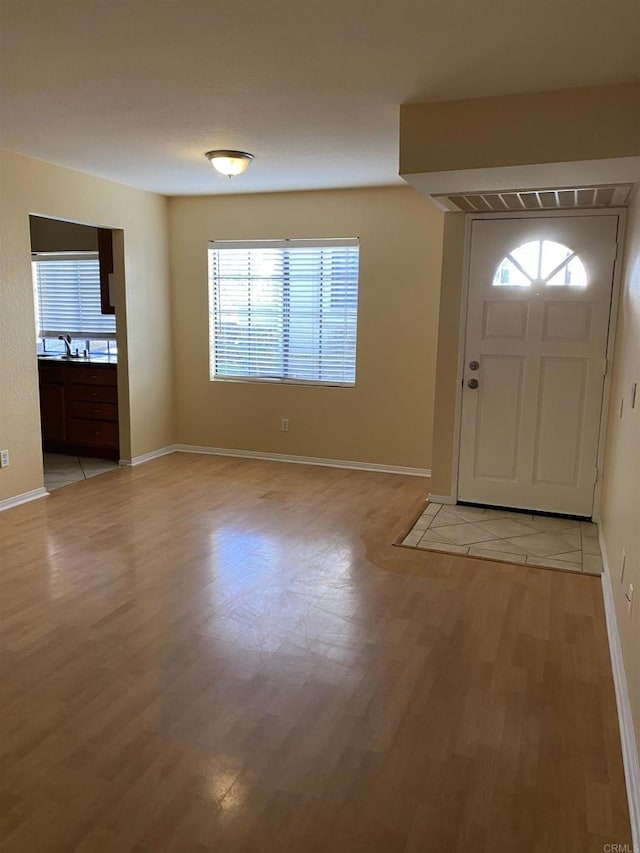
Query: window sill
309	383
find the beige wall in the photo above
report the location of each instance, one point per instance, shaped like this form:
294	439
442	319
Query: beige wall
387	417
32	187
621	488
544	127
54	235
444	415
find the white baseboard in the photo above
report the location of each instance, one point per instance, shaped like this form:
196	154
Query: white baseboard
304	460
275	457
25	497
448	500
630	756
147	457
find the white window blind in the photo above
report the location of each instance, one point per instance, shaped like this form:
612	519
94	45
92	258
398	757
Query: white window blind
284	310
67	297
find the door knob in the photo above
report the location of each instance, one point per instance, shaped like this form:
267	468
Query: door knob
474	365
473	383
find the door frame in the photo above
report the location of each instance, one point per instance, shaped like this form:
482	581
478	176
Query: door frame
620	213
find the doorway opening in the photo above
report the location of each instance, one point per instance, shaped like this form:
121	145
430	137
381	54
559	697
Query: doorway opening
78	337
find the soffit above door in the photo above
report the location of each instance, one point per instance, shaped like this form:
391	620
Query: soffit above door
439	187
548	198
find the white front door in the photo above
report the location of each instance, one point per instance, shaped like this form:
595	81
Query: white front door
537	326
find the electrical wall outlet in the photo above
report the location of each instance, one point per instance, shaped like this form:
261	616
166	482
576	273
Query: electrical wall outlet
4	458
284	424
623	565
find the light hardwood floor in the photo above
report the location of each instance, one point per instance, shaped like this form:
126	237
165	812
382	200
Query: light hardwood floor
206	654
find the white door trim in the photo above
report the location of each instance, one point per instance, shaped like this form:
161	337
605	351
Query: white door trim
620	213
611	340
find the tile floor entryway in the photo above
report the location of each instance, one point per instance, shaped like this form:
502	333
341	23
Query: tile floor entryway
61	470
512	537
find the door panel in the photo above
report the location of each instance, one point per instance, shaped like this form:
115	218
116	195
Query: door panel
504	320
496	451
537	324
563	323
558	441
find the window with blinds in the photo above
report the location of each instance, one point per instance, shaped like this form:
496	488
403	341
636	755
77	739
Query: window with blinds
67	297
284	310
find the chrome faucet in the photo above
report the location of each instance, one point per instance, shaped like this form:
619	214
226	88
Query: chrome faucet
67	343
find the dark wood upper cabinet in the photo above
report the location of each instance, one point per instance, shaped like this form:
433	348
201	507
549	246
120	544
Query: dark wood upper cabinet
105	256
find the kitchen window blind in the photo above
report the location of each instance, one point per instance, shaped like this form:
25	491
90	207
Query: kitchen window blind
67	297
284	310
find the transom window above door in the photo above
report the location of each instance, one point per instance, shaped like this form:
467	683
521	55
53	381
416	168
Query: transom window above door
541	262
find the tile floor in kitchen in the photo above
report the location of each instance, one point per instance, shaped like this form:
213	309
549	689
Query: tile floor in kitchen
61	470
512	537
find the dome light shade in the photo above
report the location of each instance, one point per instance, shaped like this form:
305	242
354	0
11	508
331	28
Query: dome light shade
229	163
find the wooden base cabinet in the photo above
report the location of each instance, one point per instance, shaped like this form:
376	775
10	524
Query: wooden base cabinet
79	408
52	415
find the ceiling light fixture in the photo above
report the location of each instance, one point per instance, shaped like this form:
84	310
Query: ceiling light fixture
229	163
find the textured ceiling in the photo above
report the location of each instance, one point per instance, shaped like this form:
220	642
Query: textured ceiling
137	91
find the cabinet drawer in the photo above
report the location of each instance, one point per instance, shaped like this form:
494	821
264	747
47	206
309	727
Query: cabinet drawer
94	411
92	393
92	375
92	433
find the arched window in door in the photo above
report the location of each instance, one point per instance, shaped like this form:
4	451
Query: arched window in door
541	262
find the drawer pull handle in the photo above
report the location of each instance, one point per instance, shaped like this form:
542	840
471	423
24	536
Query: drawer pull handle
97	433
96	411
